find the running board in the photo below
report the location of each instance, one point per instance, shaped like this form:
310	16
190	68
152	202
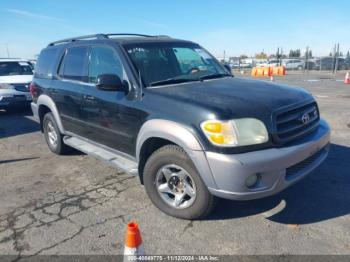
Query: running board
111	158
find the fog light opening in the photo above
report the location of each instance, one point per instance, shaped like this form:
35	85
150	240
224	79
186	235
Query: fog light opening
252	180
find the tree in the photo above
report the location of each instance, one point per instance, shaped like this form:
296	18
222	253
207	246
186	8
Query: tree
310	54
261	55
341	54
294	53
243	56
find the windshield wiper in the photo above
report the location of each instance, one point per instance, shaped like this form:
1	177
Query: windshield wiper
212	76
172	81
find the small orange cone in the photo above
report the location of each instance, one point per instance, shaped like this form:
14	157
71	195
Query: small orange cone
347	78
133	242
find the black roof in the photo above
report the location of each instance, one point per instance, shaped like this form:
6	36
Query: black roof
120	37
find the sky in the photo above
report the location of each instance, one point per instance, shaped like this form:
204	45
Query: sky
234	27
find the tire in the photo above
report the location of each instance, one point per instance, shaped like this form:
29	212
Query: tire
49	126
172	157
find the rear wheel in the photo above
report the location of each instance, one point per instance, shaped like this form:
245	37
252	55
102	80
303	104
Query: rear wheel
53	137
174	185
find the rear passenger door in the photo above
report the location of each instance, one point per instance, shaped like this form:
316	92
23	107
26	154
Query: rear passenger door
67	87
107	115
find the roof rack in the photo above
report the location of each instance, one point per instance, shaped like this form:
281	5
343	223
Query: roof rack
100	36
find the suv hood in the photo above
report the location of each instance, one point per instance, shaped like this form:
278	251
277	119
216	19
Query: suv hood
16	79
234	97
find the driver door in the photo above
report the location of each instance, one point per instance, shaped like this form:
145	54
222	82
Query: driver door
106	114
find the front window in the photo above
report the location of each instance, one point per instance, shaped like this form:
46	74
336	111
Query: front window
104	60
15	68
167	63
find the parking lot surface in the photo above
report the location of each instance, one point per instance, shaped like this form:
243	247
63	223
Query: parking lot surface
75	204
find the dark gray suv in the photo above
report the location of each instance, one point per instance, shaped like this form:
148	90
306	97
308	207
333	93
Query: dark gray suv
167	111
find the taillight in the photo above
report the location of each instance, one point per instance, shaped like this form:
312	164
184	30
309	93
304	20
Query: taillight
33	90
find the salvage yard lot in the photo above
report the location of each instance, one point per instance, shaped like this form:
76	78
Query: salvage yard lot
75	204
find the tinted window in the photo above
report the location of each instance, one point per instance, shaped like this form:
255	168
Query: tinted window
15	68
161	61
104	60
43	68
74	64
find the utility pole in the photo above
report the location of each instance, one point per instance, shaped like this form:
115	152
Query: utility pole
336	59
224	57
281	56
306	59
7	50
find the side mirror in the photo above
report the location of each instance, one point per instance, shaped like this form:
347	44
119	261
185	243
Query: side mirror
228	68
110	82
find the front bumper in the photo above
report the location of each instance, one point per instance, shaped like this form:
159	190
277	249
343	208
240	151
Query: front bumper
278	168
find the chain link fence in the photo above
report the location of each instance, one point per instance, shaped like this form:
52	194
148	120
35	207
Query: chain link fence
300	64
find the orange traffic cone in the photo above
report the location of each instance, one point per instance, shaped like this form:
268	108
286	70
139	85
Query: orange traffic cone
133	242
347	78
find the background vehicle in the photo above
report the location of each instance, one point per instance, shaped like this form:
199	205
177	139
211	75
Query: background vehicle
15	78
166	110
274	62
294	64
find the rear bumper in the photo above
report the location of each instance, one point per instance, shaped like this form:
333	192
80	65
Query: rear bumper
35	110
277	168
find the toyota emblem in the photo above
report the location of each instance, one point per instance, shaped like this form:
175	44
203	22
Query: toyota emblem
305	118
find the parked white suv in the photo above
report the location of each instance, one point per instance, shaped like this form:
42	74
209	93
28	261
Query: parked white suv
15	78
294	64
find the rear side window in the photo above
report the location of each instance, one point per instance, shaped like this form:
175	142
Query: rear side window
43	68
74	64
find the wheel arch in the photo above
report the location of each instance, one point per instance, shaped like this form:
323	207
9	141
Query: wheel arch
46	104
168	130
156	133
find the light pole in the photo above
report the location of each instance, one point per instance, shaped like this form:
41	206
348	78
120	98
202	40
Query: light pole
7	50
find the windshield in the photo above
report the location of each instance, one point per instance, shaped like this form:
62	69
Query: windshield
167	63
15	68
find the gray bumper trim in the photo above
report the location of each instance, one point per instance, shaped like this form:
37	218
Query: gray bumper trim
35	110
231	171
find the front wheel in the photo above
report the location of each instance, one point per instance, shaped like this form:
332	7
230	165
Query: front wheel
174	185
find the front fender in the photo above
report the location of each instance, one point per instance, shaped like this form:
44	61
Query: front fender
180	135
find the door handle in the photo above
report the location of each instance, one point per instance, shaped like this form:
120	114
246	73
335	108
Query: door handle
88	97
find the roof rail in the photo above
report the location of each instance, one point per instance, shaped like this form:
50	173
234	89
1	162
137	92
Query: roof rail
97	36
100	36
142	35
128	34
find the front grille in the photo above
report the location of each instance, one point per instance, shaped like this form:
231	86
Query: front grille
303	165
21	87
297	122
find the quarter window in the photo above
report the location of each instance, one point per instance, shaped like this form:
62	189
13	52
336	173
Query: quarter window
104	60
74	64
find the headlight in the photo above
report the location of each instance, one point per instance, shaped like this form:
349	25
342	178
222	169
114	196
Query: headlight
5	86
236	132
